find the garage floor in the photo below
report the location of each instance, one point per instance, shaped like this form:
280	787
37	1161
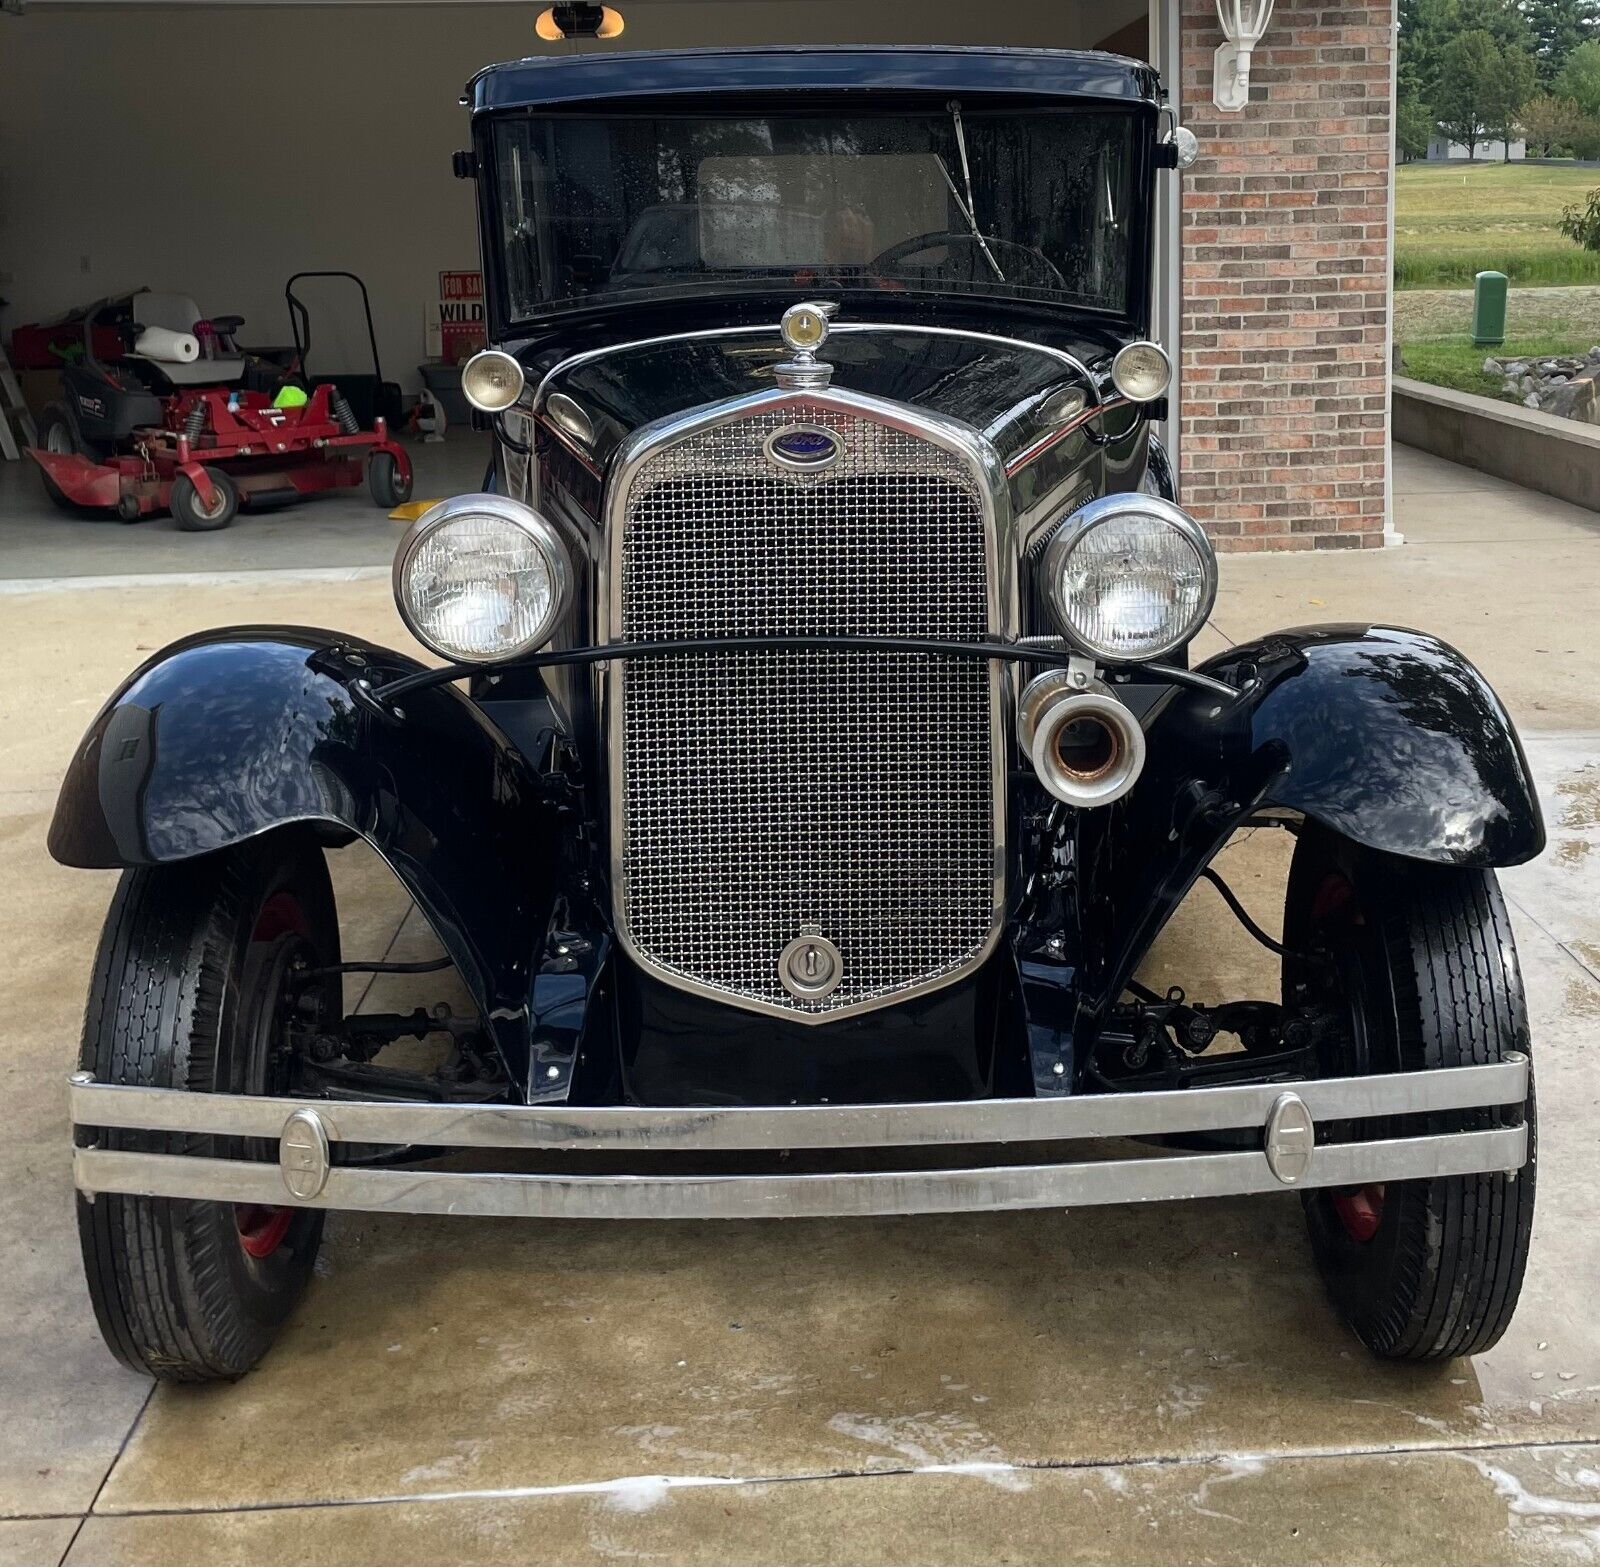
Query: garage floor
340	530
1118	1385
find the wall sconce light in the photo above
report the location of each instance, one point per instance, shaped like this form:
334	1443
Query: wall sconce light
556	22
1243	23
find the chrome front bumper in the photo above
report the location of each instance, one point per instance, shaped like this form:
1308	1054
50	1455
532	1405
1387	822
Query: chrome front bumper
1286	1117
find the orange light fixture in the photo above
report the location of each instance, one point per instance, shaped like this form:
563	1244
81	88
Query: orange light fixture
578	21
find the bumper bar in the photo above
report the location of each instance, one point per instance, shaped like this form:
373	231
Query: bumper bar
1286	1116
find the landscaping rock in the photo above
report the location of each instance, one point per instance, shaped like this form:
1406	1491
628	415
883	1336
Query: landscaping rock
1578	398
1565	385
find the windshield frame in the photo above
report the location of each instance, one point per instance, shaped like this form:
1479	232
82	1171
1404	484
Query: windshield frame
1133	318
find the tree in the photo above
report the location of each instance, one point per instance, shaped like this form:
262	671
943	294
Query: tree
1413	126
1586	139
1582	221
1558	27
1426	26
1461	100
1511	83
1502	20
1552	124
1579	78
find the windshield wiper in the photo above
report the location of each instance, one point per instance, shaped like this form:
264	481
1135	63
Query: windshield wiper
969	208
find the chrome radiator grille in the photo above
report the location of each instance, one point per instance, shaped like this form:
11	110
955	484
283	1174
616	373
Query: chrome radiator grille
766	793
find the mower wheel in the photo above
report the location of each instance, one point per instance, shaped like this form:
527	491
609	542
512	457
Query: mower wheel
389	488
59	436
192	517
57	433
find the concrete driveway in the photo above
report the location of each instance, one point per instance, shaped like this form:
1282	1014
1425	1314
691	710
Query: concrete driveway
1116	1385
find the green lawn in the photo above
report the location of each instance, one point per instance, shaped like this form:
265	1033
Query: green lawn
1454	220
1455	361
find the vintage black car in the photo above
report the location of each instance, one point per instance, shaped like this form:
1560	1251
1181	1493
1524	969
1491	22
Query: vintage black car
814	755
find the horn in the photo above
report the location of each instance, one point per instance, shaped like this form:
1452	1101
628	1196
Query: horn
1087	747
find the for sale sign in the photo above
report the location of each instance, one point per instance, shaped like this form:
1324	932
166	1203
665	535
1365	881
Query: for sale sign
459	316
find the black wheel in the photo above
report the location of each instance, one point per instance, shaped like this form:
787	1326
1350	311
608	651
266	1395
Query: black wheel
58	435
188	992
384	480
1418	963
192	516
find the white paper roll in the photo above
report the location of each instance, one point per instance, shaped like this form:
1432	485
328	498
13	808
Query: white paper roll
156	342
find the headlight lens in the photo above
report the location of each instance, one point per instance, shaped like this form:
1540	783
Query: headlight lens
1141	372
492	380
481	577
1129	577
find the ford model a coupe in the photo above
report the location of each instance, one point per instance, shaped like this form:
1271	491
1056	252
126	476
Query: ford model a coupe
814	756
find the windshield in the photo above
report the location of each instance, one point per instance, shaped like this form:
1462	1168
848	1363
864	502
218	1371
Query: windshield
1017	204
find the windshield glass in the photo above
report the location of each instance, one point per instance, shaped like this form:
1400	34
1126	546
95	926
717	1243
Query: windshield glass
1017	204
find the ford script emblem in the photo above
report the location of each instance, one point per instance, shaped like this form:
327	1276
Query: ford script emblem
804	446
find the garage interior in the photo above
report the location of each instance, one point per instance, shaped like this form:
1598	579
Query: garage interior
214	150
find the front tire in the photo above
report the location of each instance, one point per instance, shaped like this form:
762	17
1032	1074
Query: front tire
187	994
385	482
191	513
1420	963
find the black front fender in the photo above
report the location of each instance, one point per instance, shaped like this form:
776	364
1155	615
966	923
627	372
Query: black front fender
234	733
1386	737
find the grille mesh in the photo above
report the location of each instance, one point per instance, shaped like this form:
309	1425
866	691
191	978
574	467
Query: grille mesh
764	791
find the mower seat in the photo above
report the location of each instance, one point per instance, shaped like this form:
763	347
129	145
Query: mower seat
179	313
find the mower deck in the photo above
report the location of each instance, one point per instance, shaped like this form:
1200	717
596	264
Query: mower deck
263	450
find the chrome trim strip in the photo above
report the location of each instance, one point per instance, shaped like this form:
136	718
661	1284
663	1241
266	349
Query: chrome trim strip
607	1127
836	328
853	1195
1004	613
1050	438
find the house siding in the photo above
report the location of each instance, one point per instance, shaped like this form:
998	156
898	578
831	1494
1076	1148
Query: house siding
1286	277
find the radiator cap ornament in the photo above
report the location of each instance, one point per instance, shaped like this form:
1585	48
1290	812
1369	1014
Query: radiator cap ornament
810	967
805	329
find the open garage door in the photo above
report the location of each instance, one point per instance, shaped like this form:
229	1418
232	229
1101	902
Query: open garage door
216	149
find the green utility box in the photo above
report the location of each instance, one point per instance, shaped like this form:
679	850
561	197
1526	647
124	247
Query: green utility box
1489	308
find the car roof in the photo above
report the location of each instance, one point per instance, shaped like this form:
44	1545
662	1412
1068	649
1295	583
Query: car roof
1037	73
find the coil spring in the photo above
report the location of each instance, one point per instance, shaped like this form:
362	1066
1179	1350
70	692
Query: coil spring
343	413
194	424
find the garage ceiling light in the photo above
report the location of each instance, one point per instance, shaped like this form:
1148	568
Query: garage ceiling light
578	21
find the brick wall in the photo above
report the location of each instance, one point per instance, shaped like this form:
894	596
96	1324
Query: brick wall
1285	281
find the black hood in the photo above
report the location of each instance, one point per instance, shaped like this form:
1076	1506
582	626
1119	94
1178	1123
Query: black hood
997	387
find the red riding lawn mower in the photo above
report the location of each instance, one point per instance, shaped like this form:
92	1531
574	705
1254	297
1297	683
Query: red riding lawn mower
185	421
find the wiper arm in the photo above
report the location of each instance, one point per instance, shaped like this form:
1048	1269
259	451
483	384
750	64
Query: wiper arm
969	208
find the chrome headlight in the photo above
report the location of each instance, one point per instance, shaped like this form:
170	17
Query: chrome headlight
492	380
1129	577
481	577
1141	372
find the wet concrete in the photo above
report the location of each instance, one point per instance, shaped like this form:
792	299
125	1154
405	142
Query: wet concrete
1529	1505
1135	1384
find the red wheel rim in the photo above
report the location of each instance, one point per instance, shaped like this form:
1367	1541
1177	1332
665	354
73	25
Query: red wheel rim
280	915
263	1227
1360	1211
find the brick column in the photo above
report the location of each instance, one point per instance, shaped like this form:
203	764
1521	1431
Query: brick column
1286	275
